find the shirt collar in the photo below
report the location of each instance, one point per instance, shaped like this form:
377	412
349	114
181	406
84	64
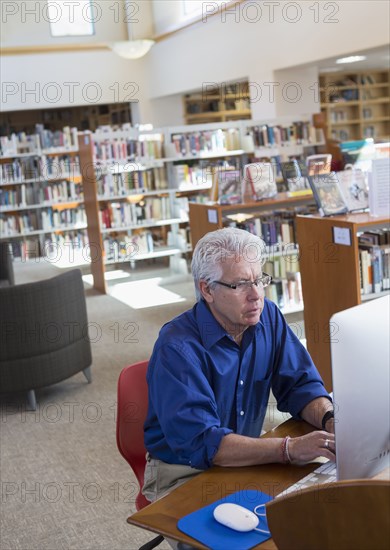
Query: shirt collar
209	329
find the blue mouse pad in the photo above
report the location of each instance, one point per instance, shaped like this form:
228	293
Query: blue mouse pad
202	526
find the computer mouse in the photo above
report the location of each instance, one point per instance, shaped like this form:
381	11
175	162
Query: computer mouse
236	517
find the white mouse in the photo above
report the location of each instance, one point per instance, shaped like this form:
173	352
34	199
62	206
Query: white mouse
236	517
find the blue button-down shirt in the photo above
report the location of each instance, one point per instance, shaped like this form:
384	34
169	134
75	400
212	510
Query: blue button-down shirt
202	385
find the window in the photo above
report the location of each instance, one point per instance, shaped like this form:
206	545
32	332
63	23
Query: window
191	8
71	17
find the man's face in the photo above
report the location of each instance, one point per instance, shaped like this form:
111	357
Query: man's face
236	309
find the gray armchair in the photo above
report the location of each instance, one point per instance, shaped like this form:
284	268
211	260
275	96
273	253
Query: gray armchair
43	333
6	265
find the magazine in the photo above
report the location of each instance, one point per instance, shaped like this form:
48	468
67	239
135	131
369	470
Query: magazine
229	186
354	187
295	175
327	194
261	177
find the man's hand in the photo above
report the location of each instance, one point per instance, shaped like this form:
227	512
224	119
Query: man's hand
310	446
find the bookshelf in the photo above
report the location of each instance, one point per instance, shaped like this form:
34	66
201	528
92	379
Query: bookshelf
142	183
330	277
356	105
134	213
273	219
131	188
41	197
218	103
86	117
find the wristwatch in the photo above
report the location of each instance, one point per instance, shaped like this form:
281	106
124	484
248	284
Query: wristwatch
327	416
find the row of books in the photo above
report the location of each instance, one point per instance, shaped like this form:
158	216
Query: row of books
59	166
62	219
66	249
19	170
24	223
277	135
123	148
123	214
187	176
65	138
210	141
128	247
281	267
28	194
153	179
286	293
374	257
272	228
47	220
53	167
18	144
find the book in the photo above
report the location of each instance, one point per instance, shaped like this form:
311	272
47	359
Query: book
295	175
229	186
327	194
261	177
318	164
353	185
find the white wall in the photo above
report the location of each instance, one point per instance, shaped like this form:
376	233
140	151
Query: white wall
244	44
26	23
55	79
249	43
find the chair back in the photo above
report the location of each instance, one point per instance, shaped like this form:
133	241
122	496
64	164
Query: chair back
131	413
46	332
344	515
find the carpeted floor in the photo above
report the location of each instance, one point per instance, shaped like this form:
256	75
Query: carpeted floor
64	483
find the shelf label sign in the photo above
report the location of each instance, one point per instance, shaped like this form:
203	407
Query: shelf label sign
212	216
342	235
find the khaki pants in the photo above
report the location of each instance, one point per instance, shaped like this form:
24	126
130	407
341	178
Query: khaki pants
161	478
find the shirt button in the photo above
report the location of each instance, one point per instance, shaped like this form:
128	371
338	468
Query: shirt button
241	382
242	413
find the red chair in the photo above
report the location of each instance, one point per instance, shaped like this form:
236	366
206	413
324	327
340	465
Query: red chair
131	413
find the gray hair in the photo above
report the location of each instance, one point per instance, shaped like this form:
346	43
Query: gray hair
221	245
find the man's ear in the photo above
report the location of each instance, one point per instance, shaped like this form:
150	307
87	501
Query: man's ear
205	291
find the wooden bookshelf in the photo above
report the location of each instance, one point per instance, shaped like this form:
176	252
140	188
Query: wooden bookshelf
211	216
282	254
356	105
173	166
92	210
219	103
330	277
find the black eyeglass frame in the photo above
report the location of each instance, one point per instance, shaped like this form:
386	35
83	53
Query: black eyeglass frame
245	284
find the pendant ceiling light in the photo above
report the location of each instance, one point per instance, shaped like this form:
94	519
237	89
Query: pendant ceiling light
131	49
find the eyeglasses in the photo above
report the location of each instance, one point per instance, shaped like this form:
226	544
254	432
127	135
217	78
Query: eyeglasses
245	286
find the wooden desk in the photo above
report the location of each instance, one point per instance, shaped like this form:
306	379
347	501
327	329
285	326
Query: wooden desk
213	484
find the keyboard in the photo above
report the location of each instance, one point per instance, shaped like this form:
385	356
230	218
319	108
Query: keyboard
325	473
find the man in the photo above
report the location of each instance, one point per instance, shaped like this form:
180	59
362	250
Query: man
213	367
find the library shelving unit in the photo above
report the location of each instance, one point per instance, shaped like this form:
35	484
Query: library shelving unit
356	105
42	204
218	103
273	219
330	275
136	201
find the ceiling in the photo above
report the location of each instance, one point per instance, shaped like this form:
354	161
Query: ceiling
376	58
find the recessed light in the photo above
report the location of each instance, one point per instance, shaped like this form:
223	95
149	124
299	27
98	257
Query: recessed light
351	59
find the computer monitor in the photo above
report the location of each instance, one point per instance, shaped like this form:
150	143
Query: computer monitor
360	351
